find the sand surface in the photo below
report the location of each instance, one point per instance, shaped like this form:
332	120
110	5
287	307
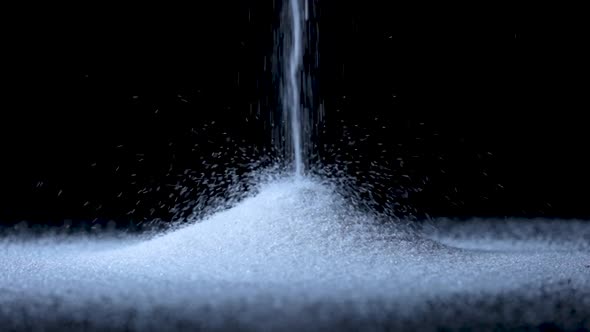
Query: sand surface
295	257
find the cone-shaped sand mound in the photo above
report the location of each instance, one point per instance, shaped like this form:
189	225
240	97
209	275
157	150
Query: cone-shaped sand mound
296	256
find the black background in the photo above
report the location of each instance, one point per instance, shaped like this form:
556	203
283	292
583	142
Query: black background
467	114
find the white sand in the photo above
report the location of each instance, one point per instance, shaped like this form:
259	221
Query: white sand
295	257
